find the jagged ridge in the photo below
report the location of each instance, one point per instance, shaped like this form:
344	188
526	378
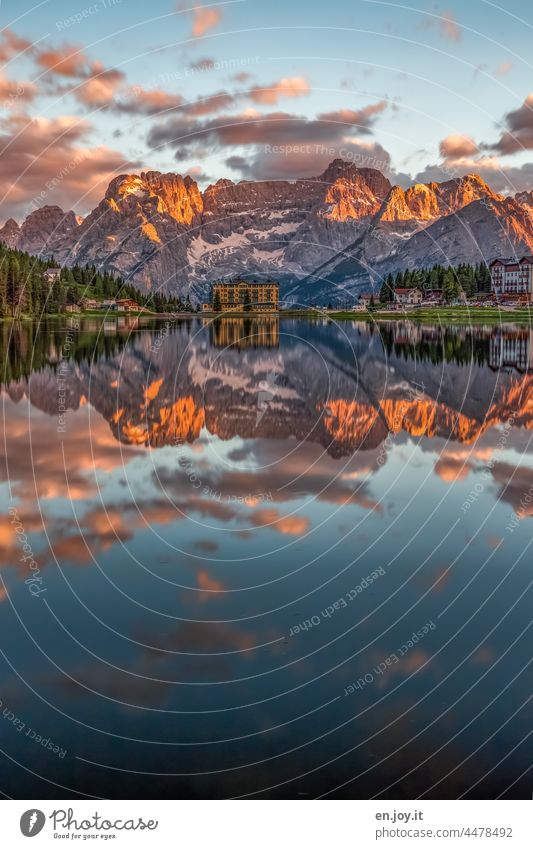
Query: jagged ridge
346	226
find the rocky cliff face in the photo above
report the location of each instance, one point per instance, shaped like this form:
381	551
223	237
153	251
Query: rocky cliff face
43	232
10	233
426	202
344	228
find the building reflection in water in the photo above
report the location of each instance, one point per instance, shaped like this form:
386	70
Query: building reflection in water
245	332
512	349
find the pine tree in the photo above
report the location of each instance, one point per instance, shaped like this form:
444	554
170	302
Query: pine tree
450	288
386	294
13	286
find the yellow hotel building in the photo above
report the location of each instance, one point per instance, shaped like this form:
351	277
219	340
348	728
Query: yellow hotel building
242	296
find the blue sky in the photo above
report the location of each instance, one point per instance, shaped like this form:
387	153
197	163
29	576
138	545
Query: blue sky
248	89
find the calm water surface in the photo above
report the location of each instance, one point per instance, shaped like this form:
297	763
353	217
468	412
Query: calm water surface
262	558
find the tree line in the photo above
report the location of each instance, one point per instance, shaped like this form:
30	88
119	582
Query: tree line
26	293
469	279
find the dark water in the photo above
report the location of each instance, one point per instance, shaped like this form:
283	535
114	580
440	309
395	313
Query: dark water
223	538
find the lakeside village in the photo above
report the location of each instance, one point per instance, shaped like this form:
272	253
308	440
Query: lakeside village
31	288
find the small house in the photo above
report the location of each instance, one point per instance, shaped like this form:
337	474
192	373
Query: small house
366	299
52	274
407	297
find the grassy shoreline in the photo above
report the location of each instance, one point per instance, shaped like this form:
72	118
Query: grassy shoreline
443	315
433	315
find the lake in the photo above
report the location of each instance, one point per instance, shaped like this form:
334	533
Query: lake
265	557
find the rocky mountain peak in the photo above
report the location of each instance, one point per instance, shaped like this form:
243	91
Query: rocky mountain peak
10	233
169	194
428	201
44	228
338	169
457	193
352	192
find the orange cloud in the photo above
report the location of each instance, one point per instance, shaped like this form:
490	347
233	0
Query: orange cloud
291	525
449	27
35	153
449	468
207	583
446	24
286	87
204	19
456	146
503	68
100	89
11	44
66	61
148	102
355	117
13	92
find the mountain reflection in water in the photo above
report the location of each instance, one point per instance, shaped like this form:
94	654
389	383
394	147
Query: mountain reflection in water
234	522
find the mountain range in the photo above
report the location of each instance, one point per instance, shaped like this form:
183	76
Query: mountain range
343	391
324	237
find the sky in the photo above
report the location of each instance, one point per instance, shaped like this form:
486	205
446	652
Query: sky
243	89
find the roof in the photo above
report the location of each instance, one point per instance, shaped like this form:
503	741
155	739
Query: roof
509	261
247	283
403	289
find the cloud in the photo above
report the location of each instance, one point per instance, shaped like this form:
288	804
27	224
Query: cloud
66	61
36	465
361	118
100	89
308	160
13	92
503	68
139	101
43	162
447	26
204	64
198	174
450	468
515	483
241	77
95	86
104	90
456	146
518	134
208	587
204	19
207	105
286	87
290	525
285	144
11	44
241	164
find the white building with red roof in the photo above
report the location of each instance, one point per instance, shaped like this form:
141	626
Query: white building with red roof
407	297
512	277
